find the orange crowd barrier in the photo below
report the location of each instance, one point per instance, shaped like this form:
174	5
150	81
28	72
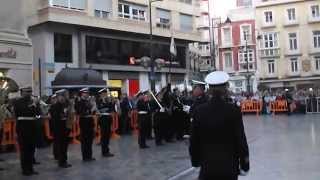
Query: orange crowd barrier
134	122
115	125
47	129
279	106
97	129
75	131
9	133
249	106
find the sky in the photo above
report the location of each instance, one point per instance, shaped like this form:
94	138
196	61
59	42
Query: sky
220	8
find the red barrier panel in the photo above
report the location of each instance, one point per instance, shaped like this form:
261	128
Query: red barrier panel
279	106
115	125
251	106
9	133
75	131
134	122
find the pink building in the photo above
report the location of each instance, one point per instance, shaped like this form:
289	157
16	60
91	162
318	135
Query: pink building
237	51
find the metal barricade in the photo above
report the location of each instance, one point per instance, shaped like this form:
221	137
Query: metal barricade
312	105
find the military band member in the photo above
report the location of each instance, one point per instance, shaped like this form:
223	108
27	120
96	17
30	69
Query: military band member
218	144
105	108
199	95
177	115
27	112
159	117
60	114
85	109
142	108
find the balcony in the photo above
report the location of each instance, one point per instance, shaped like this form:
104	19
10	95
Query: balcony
270	52
288	23
69	4
312	19
269	24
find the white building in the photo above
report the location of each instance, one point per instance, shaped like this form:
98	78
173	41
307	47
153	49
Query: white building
106	34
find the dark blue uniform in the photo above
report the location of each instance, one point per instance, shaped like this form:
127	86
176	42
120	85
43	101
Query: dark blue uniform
26	111
218	142
105	107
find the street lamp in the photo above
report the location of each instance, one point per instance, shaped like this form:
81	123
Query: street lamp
152	61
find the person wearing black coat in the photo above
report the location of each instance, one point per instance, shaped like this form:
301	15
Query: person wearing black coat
218	143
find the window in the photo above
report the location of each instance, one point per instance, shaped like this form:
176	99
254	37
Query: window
271	66
315	13
163	18
118	51
270	40
317	63
294	65
70	4
186	1
103	8
268	17
228	60
124	11
62	48
245	56
132	12
291	14
293	43
316	39
226	35
186	23
246	33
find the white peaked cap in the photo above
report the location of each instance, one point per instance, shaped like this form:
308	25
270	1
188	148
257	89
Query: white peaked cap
198	82
217	78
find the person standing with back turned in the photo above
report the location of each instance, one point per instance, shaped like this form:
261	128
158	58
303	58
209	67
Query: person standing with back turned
218	143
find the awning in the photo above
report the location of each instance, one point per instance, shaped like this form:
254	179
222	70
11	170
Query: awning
70	78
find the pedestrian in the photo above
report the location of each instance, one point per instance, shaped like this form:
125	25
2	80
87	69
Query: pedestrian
85	108
59	113
124	118
105	108
218	143
27	110
142	108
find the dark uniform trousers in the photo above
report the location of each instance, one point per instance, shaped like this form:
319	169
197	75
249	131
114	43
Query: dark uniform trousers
226	177
158	126
105	129
27	140
178	123
143	128
61	141
86	136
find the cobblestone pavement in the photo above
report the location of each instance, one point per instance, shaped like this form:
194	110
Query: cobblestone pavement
281	147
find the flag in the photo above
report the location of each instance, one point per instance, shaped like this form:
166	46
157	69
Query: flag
173	49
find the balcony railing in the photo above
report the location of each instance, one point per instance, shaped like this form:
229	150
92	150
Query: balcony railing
272	52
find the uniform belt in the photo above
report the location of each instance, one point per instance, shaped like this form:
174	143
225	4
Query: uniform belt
88	116
105	114
142	112
26	118
64	119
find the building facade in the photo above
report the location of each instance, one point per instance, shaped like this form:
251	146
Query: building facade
106	34
15	46
237	53
289	51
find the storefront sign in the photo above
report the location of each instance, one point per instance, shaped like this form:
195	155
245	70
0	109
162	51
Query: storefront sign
10	53
115	83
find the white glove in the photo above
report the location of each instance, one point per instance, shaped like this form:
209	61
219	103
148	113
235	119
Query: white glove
243	173
162	110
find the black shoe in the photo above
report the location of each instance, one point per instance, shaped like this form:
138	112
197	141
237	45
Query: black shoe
27	173
107	155
159	143
36	163
144	147
89	159
35	173
1	169
1	160
65	165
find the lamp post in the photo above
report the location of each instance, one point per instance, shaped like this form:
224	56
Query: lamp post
248	75
152	61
